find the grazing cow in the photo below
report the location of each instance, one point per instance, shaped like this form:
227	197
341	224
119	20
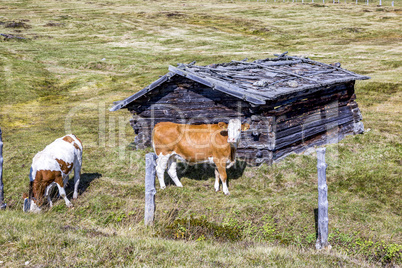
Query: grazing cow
215	143
51	168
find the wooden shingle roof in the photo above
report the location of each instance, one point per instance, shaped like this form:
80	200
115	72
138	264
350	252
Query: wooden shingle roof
258	81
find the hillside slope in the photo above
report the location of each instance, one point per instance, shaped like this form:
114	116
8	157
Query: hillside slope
75	58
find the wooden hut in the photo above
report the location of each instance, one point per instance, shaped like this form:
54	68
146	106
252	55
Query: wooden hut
291	103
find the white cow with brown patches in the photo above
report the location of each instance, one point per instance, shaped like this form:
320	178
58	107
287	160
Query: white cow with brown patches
50	168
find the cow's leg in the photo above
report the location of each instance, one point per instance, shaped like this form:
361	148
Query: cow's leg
48	191
65	180
161	165
62	192
172	165
216	180
77	177
221	165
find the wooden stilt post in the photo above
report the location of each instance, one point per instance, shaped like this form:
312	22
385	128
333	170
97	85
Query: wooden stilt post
150	162
322	223
2	204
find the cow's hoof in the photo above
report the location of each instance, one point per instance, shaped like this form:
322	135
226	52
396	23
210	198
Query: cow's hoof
75	196
70	205
163	187
216	187
227	193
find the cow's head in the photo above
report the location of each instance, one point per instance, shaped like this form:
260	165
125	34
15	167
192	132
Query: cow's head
234	128
30	204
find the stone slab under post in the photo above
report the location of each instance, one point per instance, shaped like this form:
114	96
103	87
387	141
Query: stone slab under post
2	204
322	222
150	164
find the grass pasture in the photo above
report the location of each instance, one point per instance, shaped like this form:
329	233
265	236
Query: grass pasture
77	57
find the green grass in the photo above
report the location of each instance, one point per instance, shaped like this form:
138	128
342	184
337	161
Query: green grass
78	57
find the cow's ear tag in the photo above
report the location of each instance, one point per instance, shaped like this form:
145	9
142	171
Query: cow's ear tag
245	126
223	125
27	205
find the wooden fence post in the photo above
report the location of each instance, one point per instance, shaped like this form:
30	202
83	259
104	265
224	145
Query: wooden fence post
2	204
322	223
150	163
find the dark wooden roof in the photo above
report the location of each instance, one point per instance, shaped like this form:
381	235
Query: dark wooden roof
257	81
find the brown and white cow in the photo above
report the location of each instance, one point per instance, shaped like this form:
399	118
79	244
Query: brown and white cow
51	167
213	143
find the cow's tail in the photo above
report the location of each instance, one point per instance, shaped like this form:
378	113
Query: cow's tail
31	180
30	193
231	164
28	197
30	174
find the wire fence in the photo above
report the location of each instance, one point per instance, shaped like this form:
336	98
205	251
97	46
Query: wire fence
378	3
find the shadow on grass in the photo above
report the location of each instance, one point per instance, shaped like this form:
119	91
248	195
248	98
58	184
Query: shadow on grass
85	182
203	172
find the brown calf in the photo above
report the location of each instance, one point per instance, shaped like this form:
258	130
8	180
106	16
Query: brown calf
214	143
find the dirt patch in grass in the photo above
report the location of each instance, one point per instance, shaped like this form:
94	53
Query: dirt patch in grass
17	24
173	14
54	24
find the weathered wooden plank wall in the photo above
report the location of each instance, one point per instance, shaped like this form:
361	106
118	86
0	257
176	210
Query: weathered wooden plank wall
277	128
182	101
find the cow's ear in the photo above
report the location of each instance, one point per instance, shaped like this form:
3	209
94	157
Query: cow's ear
245	126
223	125
24	195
